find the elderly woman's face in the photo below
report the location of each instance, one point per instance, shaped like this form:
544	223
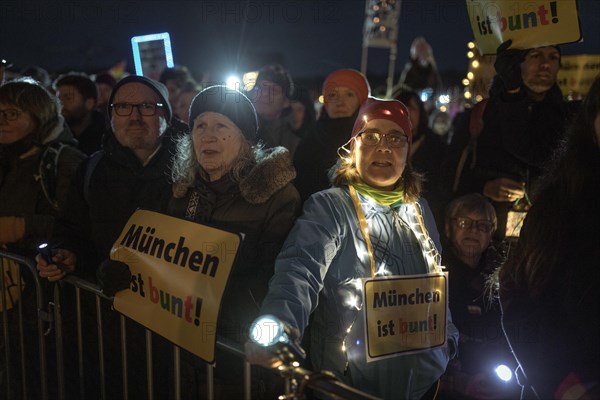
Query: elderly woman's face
470	233
217	143
380	165
15	124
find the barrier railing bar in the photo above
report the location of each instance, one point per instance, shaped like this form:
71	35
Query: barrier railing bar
321	382
58	335
124	362
101	350
149	365
80	343
177	370
41	317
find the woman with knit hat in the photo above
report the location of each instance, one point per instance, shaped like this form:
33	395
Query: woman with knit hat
371	224
344	91
222	178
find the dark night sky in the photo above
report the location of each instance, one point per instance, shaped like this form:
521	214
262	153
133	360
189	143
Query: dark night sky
312	38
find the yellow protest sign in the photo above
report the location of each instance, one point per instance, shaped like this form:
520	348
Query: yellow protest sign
404	314
179	271
528	23
577	73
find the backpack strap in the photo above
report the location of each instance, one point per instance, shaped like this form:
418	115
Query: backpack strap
475	129
48	171
89	170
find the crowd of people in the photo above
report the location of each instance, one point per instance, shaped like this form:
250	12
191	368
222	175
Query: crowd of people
499	198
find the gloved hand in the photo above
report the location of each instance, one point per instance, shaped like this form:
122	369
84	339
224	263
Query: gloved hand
508	65
113	276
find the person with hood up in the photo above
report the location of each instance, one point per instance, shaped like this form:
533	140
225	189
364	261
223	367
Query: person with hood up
38	158
30	124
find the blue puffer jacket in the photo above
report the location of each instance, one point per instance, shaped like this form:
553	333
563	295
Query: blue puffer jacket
321	261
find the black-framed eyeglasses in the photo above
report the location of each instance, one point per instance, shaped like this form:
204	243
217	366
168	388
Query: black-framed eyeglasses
484	225
372	137
10	114
145	109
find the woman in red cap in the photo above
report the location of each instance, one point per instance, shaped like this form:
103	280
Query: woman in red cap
344	91
372	225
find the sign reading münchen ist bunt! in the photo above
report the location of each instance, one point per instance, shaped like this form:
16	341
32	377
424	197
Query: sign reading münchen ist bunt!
179	270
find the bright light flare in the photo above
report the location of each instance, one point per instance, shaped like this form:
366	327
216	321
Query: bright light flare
266	331
233	82
503	372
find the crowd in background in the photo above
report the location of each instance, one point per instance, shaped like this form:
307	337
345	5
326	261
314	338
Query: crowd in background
506	187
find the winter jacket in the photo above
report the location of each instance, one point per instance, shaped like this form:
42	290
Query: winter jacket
316	272
419	77
107	189
21	191
278	133
476	314
555	335
518	138
263	207
318	152
90	140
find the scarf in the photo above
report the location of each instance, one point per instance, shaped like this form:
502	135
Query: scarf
385	197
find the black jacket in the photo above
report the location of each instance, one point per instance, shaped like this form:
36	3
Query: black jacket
263	206
99	205
518	138
317	153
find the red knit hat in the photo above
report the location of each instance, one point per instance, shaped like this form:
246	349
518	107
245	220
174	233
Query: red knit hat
392	110
349	78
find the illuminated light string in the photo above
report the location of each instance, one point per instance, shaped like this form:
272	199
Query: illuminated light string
416	225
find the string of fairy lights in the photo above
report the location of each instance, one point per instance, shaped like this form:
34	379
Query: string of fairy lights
479	74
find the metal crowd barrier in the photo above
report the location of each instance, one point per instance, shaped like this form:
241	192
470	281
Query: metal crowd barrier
50	317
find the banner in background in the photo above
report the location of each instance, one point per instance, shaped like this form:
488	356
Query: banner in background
179	270
381	23
152	54
577	73
529	24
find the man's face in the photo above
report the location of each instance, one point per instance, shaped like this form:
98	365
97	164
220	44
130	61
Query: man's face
539	69
138	132
74	106
269	100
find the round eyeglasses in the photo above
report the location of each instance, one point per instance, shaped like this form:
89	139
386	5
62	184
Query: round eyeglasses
483	225
145	109
10	114
373	137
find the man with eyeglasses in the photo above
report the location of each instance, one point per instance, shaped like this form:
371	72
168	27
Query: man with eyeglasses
470	258
130	172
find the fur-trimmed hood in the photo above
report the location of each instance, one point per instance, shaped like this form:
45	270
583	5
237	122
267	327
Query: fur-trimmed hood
272	172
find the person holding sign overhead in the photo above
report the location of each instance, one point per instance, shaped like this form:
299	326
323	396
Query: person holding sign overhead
224	179
363	257
523	121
